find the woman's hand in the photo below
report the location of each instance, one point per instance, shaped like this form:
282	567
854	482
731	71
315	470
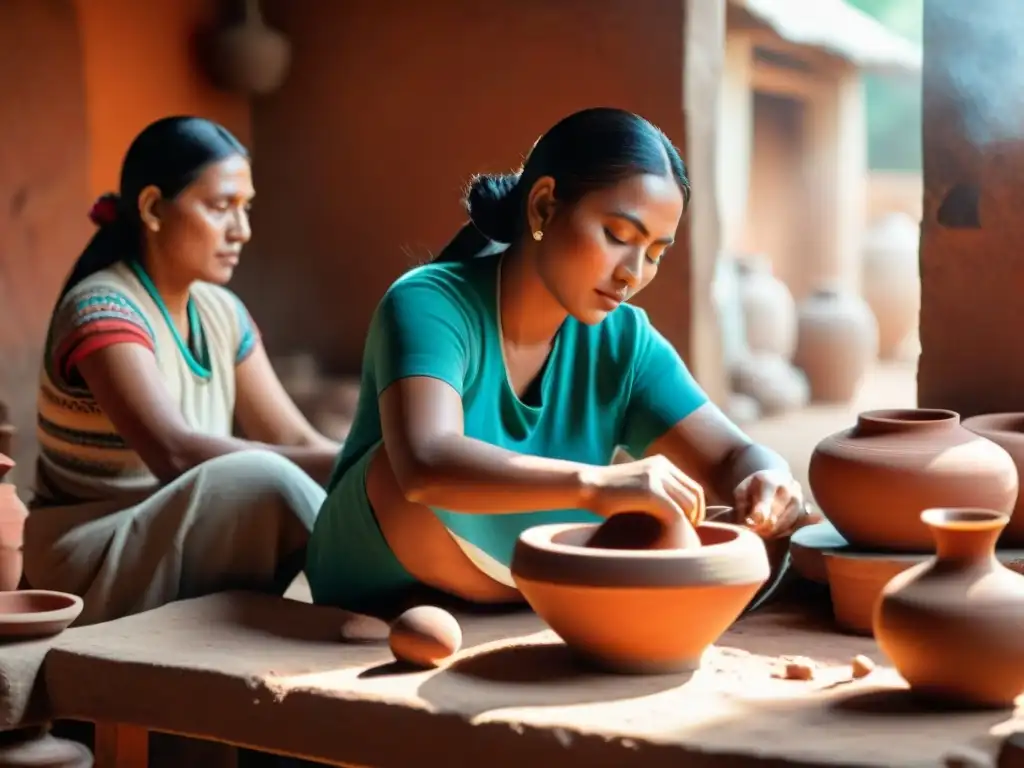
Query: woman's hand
653	485
771	503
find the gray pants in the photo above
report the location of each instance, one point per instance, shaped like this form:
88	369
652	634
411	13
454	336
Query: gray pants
239	521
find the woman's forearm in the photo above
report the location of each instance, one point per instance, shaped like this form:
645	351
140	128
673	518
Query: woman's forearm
471	476
745	462
196	448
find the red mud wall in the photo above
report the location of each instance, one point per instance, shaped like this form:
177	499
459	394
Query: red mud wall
391	106
44	162
972	244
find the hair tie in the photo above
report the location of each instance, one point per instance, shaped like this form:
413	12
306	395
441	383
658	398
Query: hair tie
105	210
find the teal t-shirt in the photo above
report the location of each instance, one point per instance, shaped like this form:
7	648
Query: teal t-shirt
617	383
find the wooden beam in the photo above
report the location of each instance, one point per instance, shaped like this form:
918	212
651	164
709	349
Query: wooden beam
791	83
121	746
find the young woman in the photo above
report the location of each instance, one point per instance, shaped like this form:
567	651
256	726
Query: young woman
496	385
143	495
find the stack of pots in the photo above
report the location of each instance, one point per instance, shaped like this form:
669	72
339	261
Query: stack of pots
922	498
764	372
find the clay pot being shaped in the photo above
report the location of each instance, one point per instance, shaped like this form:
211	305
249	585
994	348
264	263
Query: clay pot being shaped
892	279
1007	431
639	612
769	310
951	625
837	339
250	58
12	530
874	480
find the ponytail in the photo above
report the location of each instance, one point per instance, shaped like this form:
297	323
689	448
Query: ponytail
495	207
586	151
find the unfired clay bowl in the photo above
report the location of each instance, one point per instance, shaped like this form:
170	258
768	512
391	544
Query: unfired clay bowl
29	613
639	611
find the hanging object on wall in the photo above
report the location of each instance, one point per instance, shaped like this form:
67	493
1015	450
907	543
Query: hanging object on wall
248	56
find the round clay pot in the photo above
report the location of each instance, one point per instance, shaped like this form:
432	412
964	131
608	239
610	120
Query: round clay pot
12	530
892	279
769	311
250	58
951	625
1006	430
31	613
837	340
872	481
639	611
38	749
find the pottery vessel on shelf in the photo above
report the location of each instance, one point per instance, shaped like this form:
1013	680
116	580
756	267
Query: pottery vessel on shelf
892	279
952	625
250	57
837	339
1006	430
874	480
769	311
772	381
29	613
12	529
639	611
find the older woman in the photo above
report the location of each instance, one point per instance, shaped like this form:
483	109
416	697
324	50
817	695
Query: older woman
143	493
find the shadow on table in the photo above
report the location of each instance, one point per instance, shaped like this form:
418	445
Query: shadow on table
533	675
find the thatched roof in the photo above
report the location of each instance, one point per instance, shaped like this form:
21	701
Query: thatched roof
837	29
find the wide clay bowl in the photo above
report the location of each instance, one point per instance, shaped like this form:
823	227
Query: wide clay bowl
29	613
639	611
874	480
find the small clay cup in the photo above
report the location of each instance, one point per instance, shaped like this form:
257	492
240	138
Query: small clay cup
639	611
31	613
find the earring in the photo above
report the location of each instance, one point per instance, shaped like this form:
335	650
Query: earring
154	226
538	235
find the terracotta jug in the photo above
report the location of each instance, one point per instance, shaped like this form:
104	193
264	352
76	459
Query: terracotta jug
250	57
874	480
837	339
769	311
951	625
12	529
1006	430
639	611
892	280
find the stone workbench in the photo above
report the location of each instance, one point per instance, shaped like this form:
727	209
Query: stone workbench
271	673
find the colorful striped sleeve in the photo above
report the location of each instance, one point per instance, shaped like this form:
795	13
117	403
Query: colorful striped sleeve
91	320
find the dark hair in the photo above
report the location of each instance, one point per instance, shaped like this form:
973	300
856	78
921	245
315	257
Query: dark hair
169	154
585	151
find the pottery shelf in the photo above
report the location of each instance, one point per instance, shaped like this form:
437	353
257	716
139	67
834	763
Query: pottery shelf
270	673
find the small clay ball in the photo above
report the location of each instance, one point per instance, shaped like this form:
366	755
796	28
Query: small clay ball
799	668
425	636
640	530
861	666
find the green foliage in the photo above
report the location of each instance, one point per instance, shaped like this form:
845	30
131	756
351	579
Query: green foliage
894	106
